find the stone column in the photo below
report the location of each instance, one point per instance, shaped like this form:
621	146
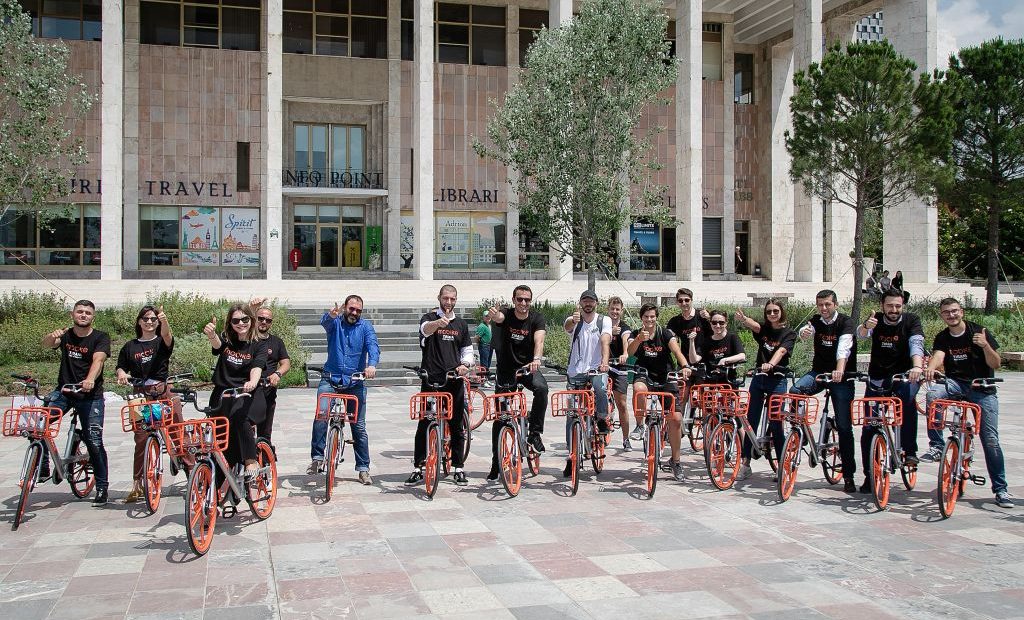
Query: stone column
111	140
423	140
130	180
840	219
689	188
807	215
273	138
910	230
393	129
729	161
779	239
559	14
511	215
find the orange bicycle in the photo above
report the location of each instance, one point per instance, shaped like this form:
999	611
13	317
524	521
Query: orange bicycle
799	412
724	446
583	439
880	415
436	408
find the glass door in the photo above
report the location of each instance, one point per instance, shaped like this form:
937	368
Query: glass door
328	240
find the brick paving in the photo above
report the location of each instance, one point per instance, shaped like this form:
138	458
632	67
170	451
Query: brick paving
385	551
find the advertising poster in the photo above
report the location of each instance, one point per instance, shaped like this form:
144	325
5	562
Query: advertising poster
453	240
240	230
240	259
199	230
644	238
406	242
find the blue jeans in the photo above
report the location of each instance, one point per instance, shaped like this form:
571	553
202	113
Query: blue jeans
760	388
906	391
600	384
90	419
360	442
841	397
961	390
485	355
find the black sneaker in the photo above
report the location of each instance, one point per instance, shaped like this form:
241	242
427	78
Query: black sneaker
849	486
460	478
101	498
866	487
568	469
536	443
911	460
602	426
44	473
415	477
493	474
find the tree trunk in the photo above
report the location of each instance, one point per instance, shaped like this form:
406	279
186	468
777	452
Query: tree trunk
992	286
858	260
591	279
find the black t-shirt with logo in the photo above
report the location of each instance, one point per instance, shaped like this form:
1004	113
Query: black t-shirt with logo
655	356
235	360
442	349
769	339
890	346
516	348
682	327
276	351
826	341
76	358
963	359
714	351
146	359
617	348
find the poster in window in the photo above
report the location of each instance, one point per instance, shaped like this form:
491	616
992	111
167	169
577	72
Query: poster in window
240	230
240	259
406	242
453	240
644	239
195	258
199	231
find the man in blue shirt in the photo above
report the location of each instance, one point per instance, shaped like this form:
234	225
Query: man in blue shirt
351	347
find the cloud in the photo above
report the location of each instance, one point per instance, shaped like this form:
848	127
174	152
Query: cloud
964	23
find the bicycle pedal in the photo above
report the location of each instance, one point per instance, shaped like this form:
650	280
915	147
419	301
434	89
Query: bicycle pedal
349	442
979	480
228	511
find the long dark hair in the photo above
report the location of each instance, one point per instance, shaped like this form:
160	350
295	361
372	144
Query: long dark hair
231	333
142	313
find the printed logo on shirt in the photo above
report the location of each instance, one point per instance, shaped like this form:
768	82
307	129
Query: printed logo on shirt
518	335
719	353
652	350
960	354
448	334
827	340
888	342
144	357
237	358
76	352
770	345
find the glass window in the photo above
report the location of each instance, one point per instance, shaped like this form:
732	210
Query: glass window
488	46
64	19
712	56
298	33
228	24
458	13
305	213
318	148
337	28
470	241
712	244
470	33
487	241
160	23
65	236
743	87
369	38
530	24
644	246
533	253
408	41
375	8
301	147
240	29
329	214
670	37
328	155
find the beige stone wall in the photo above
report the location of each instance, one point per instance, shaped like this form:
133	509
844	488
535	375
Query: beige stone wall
714	147
747	163
85	63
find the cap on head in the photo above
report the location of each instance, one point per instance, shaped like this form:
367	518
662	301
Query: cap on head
589	294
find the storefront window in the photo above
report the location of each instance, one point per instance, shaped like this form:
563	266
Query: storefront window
469	241
329	237
199	236
158	236
533	253
58	237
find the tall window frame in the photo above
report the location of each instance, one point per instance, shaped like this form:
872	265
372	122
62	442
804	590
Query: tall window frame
211	24
348	28
69	236
70	20
344	148
531	22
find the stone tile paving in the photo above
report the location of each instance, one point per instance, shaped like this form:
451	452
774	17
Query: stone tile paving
385	551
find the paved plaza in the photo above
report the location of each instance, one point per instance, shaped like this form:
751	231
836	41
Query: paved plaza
386	551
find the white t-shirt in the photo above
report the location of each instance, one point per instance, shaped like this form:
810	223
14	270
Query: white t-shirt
586	353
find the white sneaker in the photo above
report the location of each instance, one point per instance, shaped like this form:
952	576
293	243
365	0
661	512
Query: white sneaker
744	472
626	446
638	432
933	455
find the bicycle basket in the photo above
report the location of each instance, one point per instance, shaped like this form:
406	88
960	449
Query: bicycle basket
575	402
512	404
344	407
33	422
954	414
422	405
647	403
795	408
728	403
883	410
705	390
197	436
141	415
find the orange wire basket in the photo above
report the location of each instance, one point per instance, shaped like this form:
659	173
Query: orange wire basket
795	408
646	403
954	414
884	410
511	404
344	407
566	402
32	422
138	416
422	405
197	436
728	403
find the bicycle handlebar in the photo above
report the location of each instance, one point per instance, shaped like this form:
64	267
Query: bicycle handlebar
779	371
826	377
516	386
352	379
422	374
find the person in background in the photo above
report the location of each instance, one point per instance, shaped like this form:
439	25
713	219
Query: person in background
483	334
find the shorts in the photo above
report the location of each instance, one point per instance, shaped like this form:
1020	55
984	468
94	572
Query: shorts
620	382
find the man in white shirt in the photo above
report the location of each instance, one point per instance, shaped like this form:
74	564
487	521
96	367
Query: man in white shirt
590	336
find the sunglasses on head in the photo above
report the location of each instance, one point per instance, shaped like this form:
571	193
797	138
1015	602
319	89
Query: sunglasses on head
239	320
263	319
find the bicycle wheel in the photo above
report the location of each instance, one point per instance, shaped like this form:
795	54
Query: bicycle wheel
708	428
432	466
510	461
769	452
446	447
331	461
597	442
949	485
788	466
532	456
909	475
880	471
261	490
80	475
723	455
32	457
965	450
152	477
831	459
467	432
652	457
200	509
696	433
476	399
575	448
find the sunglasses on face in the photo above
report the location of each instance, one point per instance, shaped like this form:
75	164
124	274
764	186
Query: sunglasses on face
718	322
523	300
263	319
240	320
773	311
683	301
149	319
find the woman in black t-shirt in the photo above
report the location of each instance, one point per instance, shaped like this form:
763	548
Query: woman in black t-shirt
241	359
720	348
146	358
775	342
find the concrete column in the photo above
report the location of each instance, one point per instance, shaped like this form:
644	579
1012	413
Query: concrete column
729	163
511	214
559	14
779	239
807	215
910	230
130	180
393	210
622	239
111	140
423	140
840	219
273	140
689	142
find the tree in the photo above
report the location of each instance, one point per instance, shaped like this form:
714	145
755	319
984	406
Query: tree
867	134
38	100
987	161
569	127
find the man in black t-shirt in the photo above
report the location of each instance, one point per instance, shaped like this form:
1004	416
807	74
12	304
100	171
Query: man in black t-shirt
897	347
521	344
82	353
833	336
446	346
689	321
278	363
618	380
967	351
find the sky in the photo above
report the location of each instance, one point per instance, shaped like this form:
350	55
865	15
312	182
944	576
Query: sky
964	23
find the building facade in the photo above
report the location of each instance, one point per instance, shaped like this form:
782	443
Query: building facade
333	139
